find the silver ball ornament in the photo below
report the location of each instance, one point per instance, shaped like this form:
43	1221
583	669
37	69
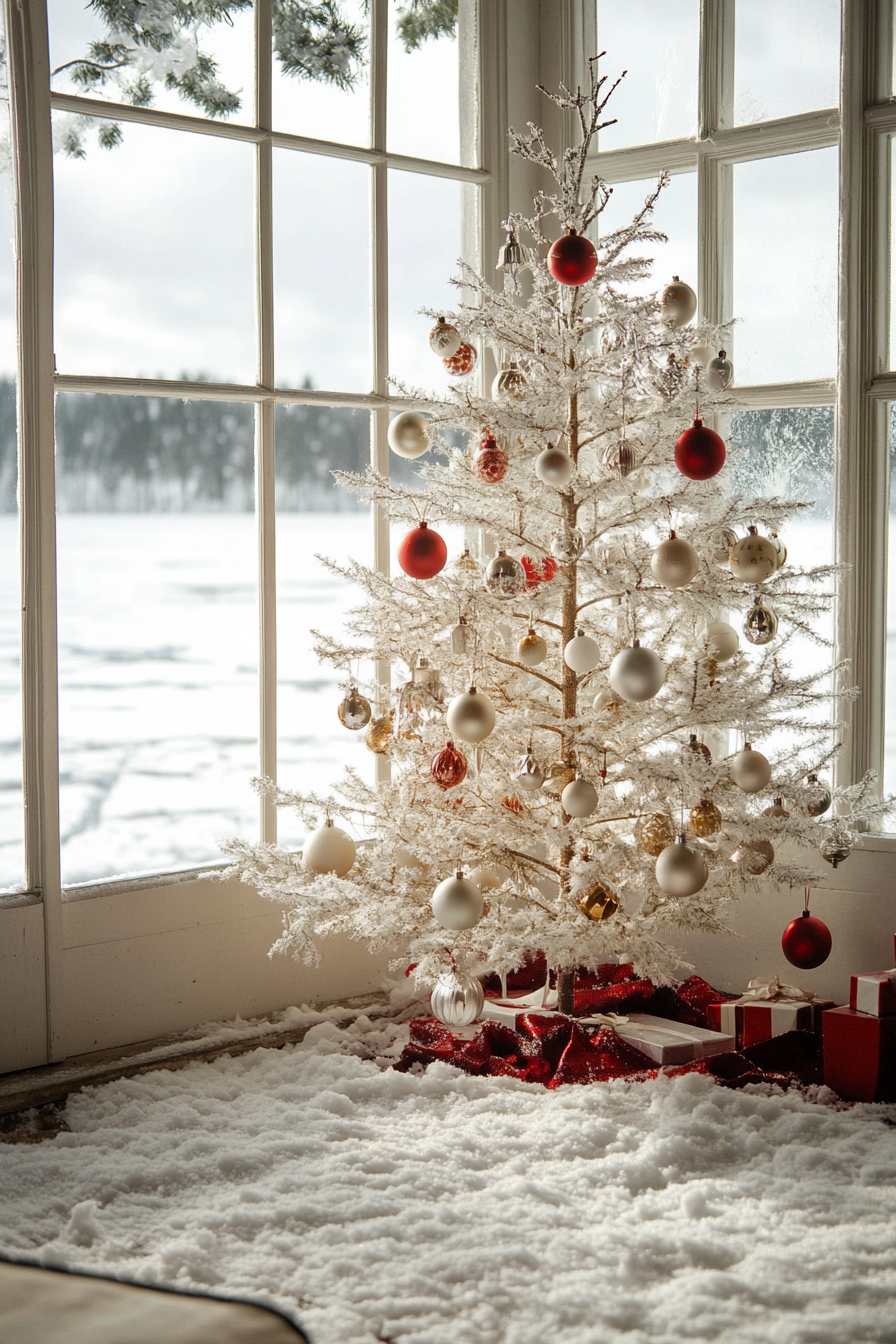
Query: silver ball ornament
678	302
750	770
579	798
554	466
509	383
408	434
816	796
637	674
354	711
680	870
582	653
457	902
471	716
504	576
457	998
719	372
444	339
674	562
567	544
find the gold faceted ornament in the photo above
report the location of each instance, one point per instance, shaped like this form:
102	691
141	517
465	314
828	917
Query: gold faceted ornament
706	819
560	774
597	902
655	833
753	857
379	735
465	564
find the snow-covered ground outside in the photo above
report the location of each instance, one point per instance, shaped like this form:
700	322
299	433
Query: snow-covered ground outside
434	1206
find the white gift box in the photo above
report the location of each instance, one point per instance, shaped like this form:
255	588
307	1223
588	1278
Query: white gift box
662	1040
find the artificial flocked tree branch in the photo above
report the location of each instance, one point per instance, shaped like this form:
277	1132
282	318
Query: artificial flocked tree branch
601	371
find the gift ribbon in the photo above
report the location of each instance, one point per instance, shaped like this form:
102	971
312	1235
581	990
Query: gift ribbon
772	991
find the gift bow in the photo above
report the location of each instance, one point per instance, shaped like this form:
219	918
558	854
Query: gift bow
611	1020
772	991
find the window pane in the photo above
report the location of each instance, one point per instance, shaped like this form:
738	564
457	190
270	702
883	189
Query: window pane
229	43
423	92
892	359
321	307
315	516
787	58
155	258
158	631
322	109
658	44
424	246
675	214
889	780
785	268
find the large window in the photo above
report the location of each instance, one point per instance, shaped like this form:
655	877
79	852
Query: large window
247	220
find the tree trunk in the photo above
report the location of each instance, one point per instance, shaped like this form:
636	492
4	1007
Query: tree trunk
566	981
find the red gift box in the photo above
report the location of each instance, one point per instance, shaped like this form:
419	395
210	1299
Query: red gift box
859	1055
873	992
751	1023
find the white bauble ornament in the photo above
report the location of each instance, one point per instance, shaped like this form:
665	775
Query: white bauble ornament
582	653
408	434
403	858
720	640
457	902
579	798
444	339
457	998
678	302
754	558
637	674
329	850
489	879
471	716
680	870
674	562
555	467
719	372
750	770
532	649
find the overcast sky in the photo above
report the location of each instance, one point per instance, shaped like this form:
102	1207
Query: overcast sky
154	240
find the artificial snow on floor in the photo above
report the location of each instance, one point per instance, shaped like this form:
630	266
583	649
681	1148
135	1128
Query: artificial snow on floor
433	1207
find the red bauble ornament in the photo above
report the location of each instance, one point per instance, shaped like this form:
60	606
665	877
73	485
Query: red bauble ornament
538	571
699	453
448	767
490	464
422	553
572	260
806	942
462	361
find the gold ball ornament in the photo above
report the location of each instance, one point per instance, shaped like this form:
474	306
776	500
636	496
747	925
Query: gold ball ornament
678	302
597	902
354	711
655	833
408	434
753	857
706	819
754	558
674	562
465	564
379	735
532	649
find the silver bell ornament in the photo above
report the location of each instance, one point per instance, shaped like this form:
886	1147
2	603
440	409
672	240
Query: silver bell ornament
582	653
555	467
510	254
760	624
637	674
674	562
509	383
504	576
444	339
408	434
457	998
678	302
328	850
532	649
619	458
754	558
567	544
457	902
720	640
680	870
816	796
719	372
720	544
471	716
579	798
750	770
354	712
835	849
528	774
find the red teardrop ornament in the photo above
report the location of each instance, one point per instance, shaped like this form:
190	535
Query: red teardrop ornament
491	462
538	571
448	767
699	453
572	260
806	942
462	361
422	553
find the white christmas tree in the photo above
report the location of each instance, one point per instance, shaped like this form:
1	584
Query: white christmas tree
617	775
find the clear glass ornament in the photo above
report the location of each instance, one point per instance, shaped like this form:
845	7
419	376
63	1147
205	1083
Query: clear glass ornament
504	576
816	797
835	849
354	712
619	458
509	383
567	544
720	543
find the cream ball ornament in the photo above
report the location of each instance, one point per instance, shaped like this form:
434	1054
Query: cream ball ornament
582	653
637	674
554	466
680	870
328	850
532	649
408	434
579	798
753	558
678	302
471	716
720	640
457	902
750	770
674	562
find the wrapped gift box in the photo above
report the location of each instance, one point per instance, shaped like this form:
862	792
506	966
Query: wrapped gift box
662	1040
751	1023
859	1055
874	992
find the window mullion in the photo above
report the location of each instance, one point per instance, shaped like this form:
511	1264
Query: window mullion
29	81
265	421
379	307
